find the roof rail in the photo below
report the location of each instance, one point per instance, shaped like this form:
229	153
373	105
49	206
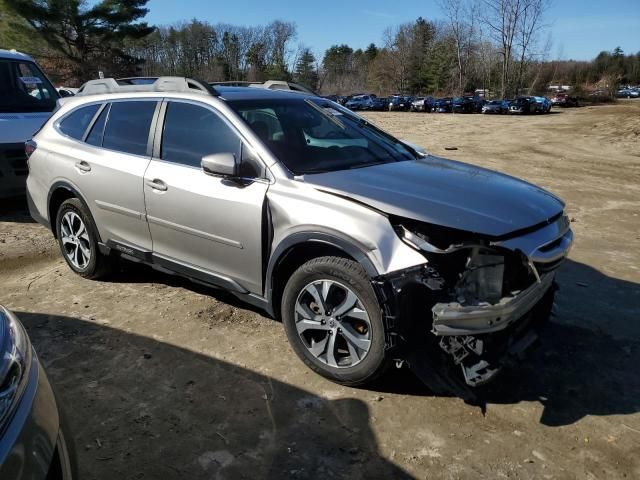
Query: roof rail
268	85
235	83
284	85
149	84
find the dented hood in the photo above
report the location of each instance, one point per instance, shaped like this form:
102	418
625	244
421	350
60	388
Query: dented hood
445	192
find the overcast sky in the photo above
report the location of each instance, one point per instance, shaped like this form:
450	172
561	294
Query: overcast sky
579	29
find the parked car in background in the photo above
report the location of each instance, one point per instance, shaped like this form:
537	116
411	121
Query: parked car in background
628	93
32	443
496	106
564	100
543	104
380	104
27	99
333	98
361	102
400	103
366	248
467	104
523	105
443	105
423	104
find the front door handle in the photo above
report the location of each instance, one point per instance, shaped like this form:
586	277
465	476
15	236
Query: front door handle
83	166
157	184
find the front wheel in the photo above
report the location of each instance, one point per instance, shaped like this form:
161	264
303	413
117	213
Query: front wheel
334	322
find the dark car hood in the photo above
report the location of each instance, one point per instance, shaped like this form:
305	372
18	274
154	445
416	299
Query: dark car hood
445	192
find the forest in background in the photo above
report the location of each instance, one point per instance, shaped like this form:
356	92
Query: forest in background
498	45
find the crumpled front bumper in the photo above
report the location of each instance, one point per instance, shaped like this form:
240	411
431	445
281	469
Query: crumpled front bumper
457	319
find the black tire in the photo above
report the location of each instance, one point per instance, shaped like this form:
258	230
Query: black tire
98	264
351	274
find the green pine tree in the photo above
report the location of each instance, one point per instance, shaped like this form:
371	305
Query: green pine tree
305	71
97	35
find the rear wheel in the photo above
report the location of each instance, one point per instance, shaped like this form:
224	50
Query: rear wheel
78	240
334	322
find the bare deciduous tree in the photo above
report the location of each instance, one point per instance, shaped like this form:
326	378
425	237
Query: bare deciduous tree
514	25
461	20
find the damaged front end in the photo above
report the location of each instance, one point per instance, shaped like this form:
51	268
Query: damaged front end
477	302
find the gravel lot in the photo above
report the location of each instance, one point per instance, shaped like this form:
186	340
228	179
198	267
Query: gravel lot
160	378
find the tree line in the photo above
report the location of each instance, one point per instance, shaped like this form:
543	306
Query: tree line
501	46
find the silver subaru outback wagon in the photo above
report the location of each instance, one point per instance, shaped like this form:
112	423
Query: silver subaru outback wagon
368	249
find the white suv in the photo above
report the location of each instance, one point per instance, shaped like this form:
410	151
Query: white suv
27	99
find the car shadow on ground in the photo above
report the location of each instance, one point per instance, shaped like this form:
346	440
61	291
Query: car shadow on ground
15	209
586	362
147	409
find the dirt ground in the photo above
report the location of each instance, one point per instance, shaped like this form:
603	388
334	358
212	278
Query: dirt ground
160	378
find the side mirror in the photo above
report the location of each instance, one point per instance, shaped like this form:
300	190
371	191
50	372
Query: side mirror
220	164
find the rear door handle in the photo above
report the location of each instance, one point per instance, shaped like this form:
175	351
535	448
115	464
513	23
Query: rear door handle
83	166
157	184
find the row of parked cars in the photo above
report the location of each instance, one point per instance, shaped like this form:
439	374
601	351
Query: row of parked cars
464	104
629	92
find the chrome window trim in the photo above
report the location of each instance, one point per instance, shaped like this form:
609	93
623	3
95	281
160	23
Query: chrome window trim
56	124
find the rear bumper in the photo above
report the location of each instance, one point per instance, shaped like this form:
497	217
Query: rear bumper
13	170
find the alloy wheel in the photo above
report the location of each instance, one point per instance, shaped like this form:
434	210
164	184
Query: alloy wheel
75	240
333	324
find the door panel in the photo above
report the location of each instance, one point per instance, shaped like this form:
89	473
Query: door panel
111	180
206	221
113	189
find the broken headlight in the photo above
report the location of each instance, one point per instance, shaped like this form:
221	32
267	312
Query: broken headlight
475	271
15	361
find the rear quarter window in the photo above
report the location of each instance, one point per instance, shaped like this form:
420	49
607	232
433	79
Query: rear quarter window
75	124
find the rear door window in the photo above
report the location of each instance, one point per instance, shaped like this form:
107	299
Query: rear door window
127	128
75	124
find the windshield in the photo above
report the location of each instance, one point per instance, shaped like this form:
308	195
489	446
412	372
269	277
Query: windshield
316	135
24	88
